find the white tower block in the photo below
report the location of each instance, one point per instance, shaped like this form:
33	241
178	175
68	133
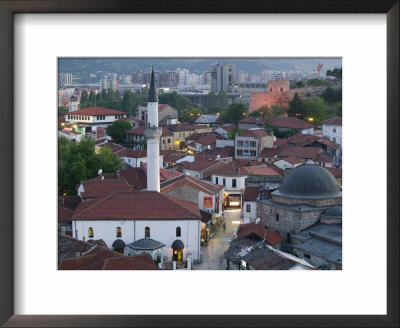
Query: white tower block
153	134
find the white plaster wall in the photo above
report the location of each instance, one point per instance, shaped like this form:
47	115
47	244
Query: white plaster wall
308	131
240	182
133	161
104	229
163	231
282	164
252	215
327	131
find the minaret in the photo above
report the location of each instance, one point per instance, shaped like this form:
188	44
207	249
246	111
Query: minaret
153	133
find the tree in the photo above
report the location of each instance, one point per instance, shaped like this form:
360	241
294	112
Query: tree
212	102
84	96
317	83
331	95
265	111
79	161
234	113
62	110
222	100
189	114
232	134
127	102
117	130
316	110
337	72
296	107
338	108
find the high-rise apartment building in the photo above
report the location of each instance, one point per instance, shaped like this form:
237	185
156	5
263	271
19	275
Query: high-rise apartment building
223	77
64	79
183	76
109	83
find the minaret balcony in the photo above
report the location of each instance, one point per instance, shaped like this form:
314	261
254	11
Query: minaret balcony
153	132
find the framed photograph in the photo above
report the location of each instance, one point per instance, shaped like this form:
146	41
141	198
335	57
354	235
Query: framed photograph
36	36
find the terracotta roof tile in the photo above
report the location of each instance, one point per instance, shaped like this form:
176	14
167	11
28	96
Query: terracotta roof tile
261	169
251	193
132	205
255	133
101	188
93	111
288	122
333	121
230	169
201	165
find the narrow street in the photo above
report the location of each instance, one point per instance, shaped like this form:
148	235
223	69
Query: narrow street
213	252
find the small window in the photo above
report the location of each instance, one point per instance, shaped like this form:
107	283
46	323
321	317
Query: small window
178	231
248	208
118	232
233	183
239	143
306	256
277	217
334	130
216	180
147	232
90	232
169	140
281	89
252	143
223	181
334	139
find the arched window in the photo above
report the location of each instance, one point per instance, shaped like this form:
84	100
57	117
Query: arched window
147	232
119	232
178	231
90	232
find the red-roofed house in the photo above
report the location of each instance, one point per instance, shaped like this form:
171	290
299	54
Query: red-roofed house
166	114
136	157
288	163
251	142
256	231
125	217
136	138
91	189
202	168
283	123
90	118
232	176
332	129
249	204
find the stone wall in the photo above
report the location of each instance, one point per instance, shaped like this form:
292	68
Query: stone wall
185	192
290	221
317	261
277	97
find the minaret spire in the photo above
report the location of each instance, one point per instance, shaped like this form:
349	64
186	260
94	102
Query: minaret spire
152	133
153	97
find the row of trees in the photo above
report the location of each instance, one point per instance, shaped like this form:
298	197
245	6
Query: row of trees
79	161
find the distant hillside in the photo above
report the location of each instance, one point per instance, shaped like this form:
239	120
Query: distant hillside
82	67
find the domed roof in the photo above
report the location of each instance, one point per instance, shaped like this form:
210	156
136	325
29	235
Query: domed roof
310	180
334	212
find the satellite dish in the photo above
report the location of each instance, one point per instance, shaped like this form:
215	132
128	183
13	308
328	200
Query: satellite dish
100	172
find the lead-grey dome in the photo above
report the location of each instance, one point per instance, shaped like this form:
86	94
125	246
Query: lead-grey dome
310	180
334	212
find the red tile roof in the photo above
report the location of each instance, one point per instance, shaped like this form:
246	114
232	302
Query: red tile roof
140	131
336	172
261	169
245	230
185	127
201	165
323	158
293	160
230	169
115	148
269	152
206	187
299	139
300	152
132	205
228	128
133	153
251	193
333	121
281	142
255	133
93	111
134	262
288	122
101	188
227	151
253	120
64	214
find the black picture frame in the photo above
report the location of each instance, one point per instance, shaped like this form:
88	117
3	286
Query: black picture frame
7	197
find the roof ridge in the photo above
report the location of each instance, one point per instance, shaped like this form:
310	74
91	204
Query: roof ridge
181	200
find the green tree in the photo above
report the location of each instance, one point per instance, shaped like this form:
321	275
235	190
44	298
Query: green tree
234	113
127	102
296	107
79	161
190	114
62	110
222	100
211	102
316	110
337	72
236	132
84	96
176	101
338	108
331	95
118	129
